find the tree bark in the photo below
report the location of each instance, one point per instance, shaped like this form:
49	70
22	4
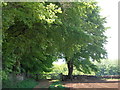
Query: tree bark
70	69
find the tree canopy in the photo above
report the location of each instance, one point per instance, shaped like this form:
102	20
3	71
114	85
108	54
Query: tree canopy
35	34
85	39
25	39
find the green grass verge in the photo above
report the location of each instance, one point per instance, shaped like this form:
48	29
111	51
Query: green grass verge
28	83
55	85
111	79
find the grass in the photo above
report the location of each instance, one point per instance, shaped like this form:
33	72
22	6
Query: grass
28	83
55	85
111	79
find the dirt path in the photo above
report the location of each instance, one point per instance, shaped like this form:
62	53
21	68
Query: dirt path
44	84
78	84
93	84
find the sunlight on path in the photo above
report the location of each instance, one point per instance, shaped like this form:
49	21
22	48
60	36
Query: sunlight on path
92	84
44	84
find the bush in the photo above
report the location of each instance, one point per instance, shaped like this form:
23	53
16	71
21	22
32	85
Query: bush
3	75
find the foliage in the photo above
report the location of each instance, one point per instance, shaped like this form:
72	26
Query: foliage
29	13
28	83
36	34
108	67
62	68
85	39
59	69
3	75
25	27
94	50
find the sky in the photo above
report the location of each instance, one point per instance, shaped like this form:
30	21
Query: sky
109	9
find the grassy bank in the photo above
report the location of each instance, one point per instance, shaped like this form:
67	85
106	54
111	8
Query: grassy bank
55	85
28	83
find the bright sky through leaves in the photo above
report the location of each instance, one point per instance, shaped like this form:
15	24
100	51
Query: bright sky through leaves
110	10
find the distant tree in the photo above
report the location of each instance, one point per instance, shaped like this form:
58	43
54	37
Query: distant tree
108	67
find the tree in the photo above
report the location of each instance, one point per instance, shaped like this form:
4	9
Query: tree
36	33
25	36
85	39
108	67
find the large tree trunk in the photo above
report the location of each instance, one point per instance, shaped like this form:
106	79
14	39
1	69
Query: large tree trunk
70	68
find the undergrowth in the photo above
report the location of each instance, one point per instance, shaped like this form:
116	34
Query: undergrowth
28	83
